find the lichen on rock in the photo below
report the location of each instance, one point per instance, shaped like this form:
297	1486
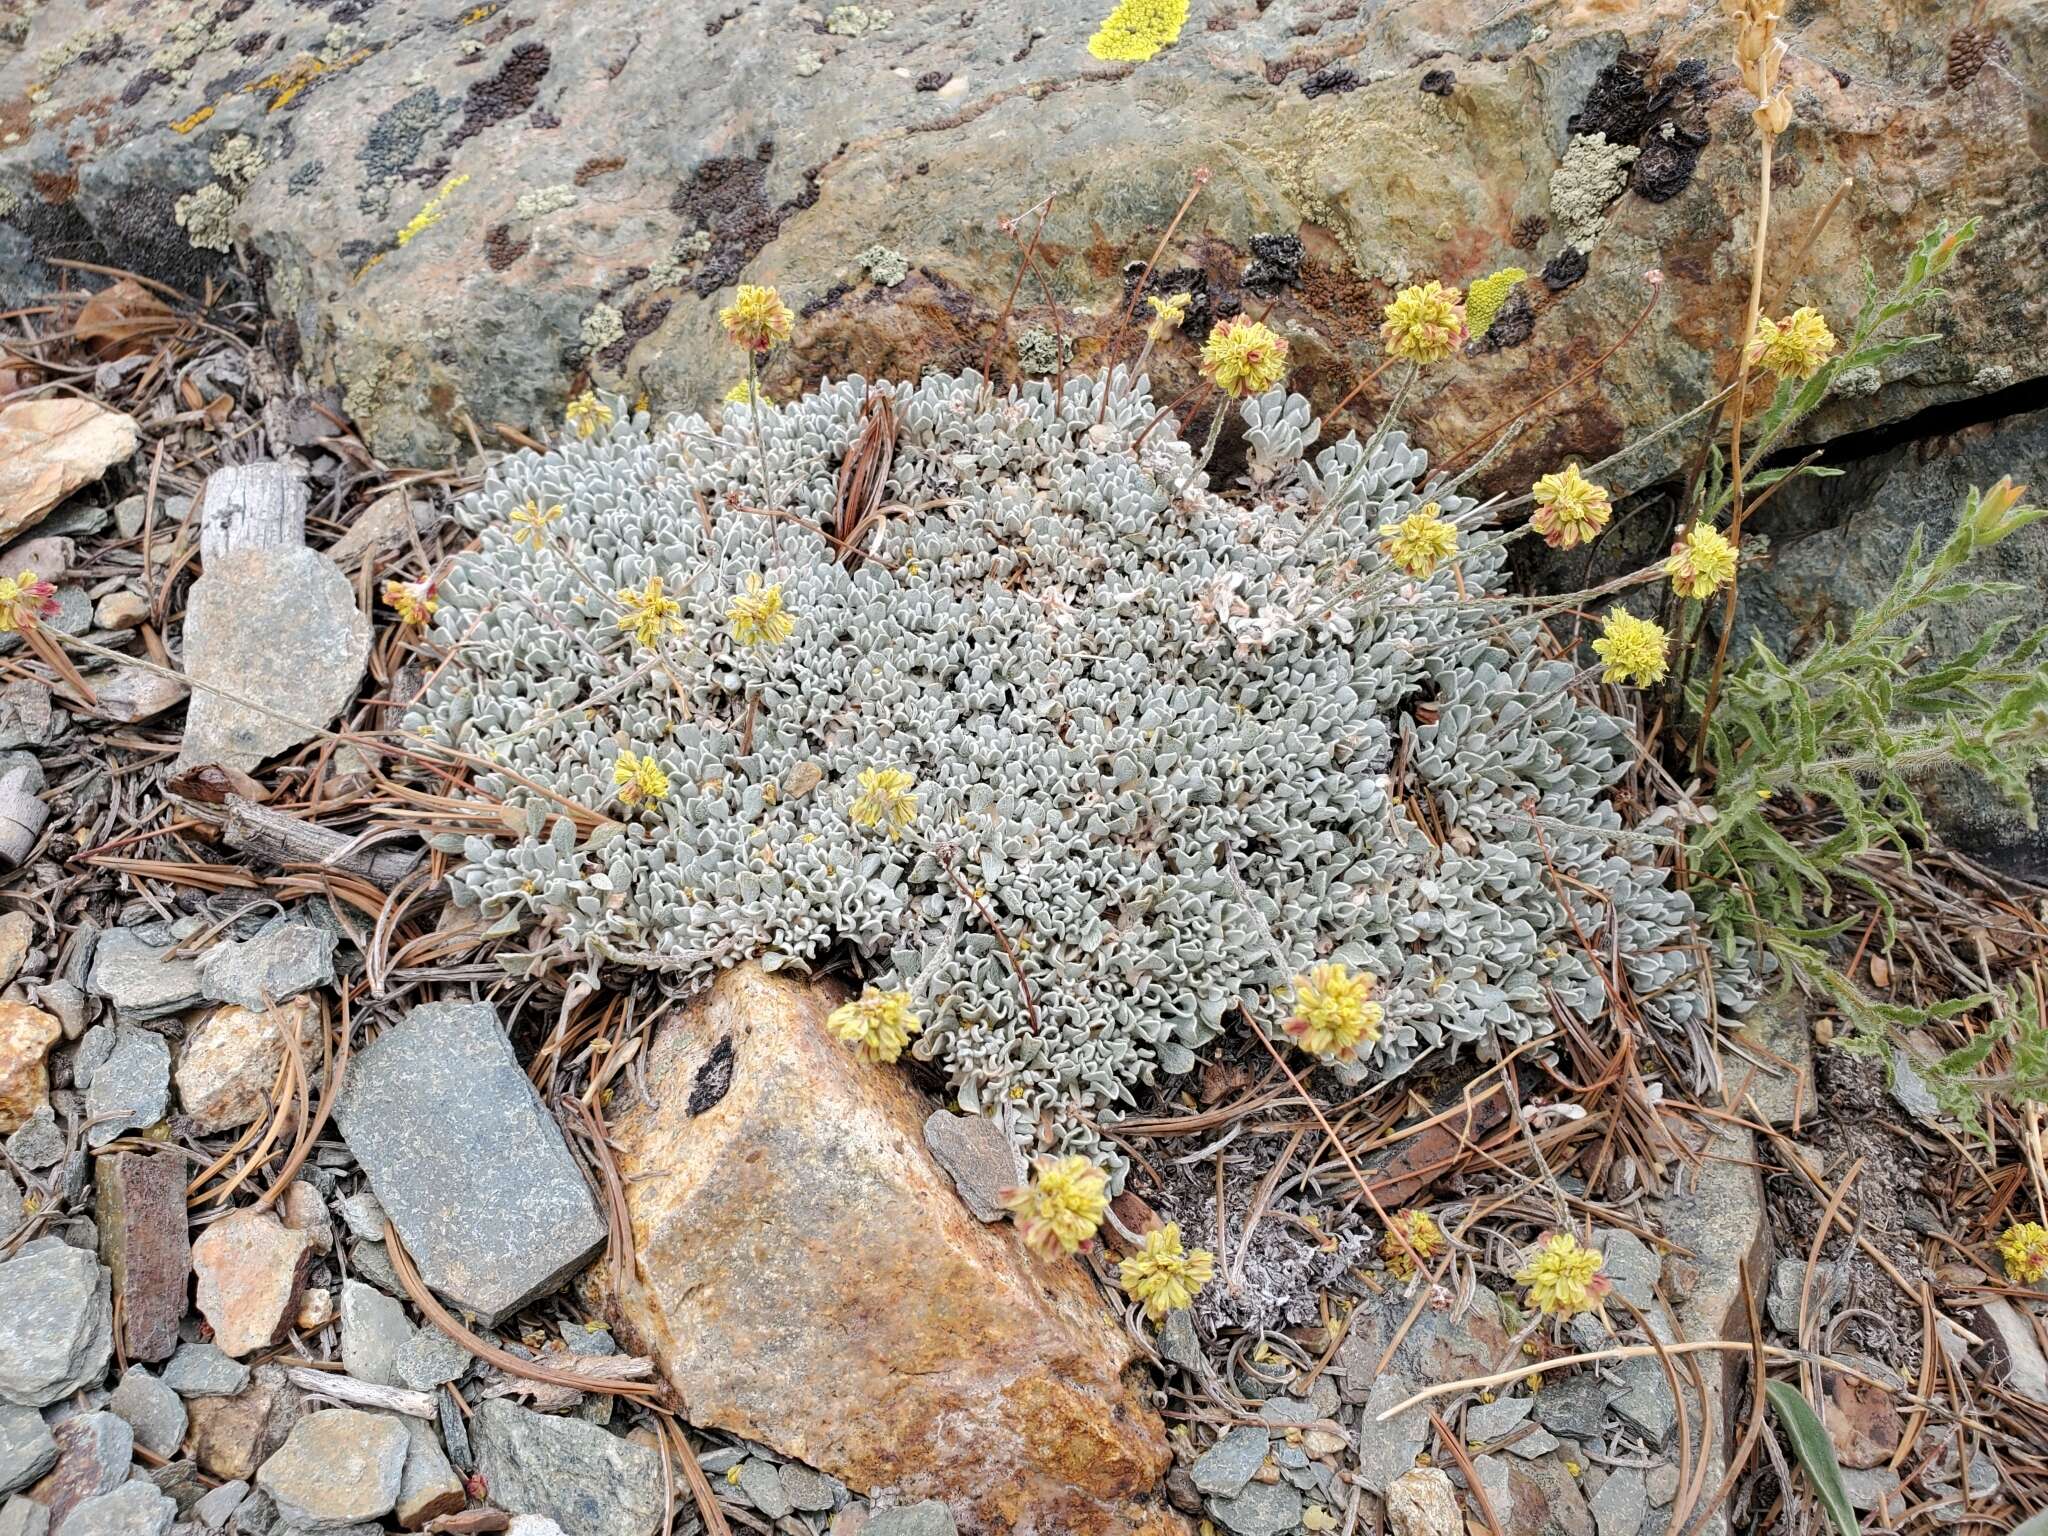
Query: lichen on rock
1586	182
207	216
1151	740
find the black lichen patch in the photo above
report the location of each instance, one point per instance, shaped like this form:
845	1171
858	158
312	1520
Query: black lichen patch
1439	82
713	1080
306	177
825	300
514	89
1202	312
350	10
1618	105
933	79
1564	269
1514	325
727	198
1331	79
1676	135
1529	231
252	44
1276	264
642	319
596	166
235	10
502	248
398	135
141	86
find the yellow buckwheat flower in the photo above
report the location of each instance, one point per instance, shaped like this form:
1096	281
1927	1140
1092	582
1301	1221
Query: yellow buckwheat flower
2024	1249
1334	1012
413	601
640	779
23	600
1564	1277
884	801
1243	357
1702	562
1163	1275
1795	347
1059	1210
1483	300
650	613
877	1024
587	413
1167	314
1420	541
1424	1236
530	522
1632	649
755	615
757	318
1425	323
1570	509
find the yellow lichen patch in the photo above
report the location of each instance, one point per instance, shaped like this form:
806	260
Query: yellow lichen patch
187	124
285	84
431	210
479	13
1137	29
1483	300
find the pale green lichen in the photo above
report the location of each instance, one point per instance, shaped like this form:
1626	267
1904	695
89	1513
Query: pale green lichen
668	271
341	41
544	200
601	327
806	65
79	43
1589	178
207	216
9	201
1039	351
885	268
184	42
236	160
857	21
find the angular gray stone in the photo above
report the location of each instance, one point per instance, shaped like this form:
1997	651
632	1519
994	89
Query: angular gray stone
218	1506
39	1144
1262	1509
1621	1507
1631	1264
585	1479
1660	1485
152	1410
139	1508
364	1216
931	1518
374	1328
204	1370
256	1516
1487	1422
337	1468
1646	1401
131	1088
809	1491
978	1156
1179	1342
469	1165
12	1208
27	1448
274	648
93	1455
1538	1442
1387	1450
56	1322
1869	1490
140	977
1788	1278
428	1359
761	1483
1575	1407
1229	1464
428	1486
22	1516
1287	1410
288	956
252	506
181	1480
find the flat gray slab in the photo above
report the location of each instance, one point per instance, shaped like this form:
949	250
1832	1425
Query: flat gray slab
583	1478
465	1160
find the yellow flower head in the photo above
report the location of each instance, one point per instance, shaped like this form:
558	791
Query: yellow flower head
530	522
649	613
1163	1275
1334	1012
640	779
755	615
884	801
1792	348
1631	649
1167	314
1570	509
1243	357
23	600
587	413
413	601
2024	1250
1483	300
1420	541
1425	323
1424	1236
1563	1277
877	1024
1059	1210
757	318
1702	562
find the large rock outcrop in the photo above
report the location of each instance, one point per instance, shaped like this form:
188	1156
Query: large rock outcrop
809	1278
460	215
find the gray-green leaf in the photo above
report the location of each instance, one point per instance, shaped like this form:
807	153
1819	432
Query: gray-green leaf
1816	1454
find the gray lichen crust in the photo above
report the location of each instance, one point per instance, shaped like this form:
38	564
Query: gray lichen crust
1178	747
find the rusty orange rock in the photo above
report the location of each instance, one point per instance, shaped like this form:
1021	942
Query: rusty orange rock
810	1279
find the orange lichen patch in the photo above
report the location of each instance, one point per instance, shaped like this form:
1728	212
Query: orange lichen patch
187	124
285	84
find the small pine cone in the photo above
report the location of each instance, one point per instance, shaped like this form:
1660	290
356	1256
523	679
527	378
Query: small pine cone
1967	51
